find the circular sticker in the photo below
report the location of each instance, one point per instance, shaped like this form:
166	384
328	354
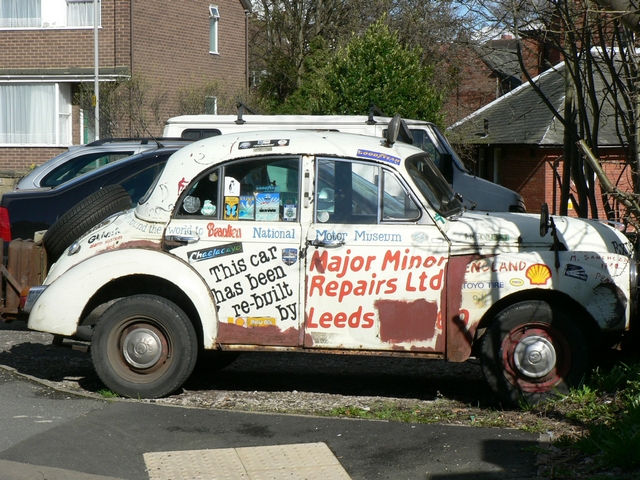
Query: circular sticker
191	204
323	217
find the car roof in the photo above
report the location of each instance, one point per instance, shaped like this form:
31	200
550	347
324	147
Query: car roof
190	161
115	167
110	145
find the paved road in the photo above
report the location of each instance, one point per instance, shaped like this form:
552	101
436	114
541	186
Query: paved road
73	437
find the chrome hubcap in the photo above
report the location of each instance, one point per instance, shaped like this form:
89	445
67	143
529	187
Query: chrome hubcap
535	356
142	348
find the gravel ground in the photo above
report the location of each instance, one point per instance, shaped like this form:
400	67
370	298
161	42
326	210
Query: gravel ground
430	391
262	381
316	384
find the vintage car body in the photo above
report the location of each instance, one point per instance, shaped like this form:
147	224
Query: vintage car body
322	241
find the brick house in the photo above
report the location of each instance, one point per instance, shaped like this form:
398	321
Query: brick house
47	51
491	69
517	142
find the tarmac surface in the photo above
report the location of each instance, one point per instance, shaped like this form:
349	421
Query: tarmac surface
55	435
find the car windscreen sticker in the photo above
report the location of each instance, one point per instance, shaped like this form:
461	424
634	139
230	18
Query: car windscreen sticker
231	208
280	142
247	207
231	187
378	156
289	211
268	203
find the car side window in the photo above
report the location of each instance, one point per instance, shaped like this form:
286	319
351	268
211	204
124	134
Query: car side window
81	165
256	189
396	204
357	193
202	198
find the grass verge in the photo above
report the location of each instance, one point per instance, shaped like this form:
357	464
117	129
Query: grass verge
595	429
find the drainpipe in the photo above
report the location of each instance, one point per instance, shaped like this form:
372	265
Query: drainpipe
96	70
246	53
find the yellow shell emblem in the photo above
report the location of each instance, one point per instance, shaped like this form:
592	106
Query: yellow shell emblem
538	274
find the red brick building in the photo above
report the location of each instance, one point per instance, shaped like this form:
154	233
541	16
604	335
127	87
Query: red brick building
47	51
517	142
492	69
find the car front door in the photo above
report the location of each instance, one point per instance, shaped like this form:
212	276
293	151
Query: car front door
375	263
239	227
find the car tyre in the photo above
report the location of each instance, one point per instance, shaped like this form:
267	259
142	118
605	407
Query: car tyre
212	361
80	218
532	352
144	346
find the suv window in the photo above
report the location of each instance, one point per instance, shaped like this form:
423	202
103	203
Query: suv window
199	133
81	165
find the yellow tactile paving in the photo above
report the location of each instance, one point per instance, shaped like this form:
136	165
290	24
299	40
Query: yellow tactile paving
305	461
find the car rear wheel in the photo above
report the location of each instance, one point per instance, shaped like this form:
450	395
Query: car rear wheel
144	347
79	219
533	351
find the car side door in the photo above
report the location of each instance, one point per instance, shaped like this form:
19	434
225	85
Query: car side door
375	263
238	226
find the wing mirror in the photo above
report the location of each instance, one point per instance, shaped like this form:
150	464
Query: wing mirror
398	130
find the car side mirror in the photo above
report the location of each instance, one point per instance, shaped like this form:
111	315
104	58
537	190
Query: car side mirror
545	220
393	130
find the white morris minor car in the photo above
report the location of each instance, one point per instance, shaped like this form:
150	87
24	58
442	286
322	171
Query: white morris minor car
331	242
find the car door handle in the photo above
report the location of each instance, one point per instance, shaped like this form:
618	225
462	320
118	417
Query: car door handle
183	239
329	244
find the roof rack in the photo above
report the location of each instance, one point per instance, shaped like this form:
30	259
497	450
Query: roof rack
241	108
140	140
374	110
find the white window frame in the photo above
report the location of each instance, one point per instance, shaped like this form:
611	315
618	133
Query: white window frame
60	117
209	102
54	14
214	21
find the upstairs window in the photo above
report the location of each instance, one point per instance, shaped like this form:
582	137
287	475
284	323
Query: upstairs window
80	13
47	14
214	19
20	14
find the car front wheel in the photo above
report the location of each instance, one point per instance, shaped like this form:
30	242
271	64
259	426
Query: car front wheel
533	351
144	347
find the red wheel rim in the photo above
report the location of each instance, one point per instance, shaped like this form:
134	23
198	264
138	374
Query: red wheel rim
536	357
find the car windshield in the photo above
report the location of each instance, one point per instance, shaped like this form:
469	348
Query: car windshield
433	185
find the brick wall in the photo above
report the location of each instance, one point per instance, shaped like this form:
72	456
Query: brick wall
171	47
69	48
536	173
165	42
477	88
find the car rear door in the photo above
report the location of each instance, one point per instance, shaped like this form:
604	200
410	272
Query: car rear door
239	227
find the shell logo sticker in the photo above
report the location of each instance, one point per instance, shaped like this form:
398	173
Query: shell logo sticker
538	274
516	282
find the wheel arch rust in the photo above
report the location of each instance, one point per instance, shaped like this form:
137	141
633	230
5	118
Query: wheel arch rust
461	340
